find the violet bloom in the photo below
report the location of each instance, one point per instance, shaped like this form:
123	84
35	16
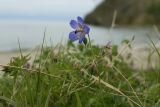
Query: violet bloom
81	29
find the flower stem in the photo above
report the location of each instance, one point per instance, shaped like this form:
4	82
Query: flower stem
89	41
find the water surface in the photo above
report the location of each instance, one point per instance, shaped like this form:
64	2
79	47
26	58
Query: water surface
31	34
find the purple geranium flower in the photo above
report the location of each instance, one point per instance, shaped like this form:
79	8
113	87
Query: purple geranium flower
81	29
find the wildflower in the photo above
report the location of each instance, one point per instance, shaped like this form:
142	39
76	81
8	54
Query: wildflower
81	29
108	46
26	66
109	49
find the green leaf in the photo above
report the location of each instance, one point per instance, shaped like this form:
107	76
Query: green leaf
126	41
79	104
85	41
70	44
114	50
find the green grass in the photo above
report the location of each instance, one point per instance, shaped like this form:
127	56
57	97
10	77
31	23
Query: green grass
78	76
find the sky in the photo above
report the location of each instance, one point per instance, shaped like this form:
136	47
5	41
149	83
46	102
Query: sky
45	9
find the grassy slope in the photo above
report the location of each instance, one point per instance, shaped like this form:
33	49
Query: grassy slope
78	76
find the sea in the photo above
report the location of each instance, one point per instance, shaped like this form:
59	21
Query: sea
30	34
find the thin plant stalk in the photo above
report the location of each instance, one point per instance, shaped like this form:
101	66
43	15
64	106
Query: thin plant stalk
89	41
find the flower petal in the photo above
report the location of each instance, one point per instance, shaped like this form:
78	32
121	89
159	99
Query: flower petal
73	24
79	34
73	36
86	29
81	39
80	20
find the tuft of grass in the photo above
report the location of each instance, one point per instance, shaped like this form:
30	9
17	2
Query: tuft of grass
78	76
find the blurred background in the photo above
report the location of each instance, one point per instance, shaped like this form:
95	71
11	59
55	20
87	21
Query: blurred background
110	20
27	20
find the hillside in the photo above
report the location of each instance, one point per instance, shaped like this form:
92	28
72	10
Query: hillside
129	12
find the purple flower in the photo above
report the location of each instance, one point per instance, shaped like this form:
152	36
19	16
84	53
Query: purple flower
27	66
80	30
